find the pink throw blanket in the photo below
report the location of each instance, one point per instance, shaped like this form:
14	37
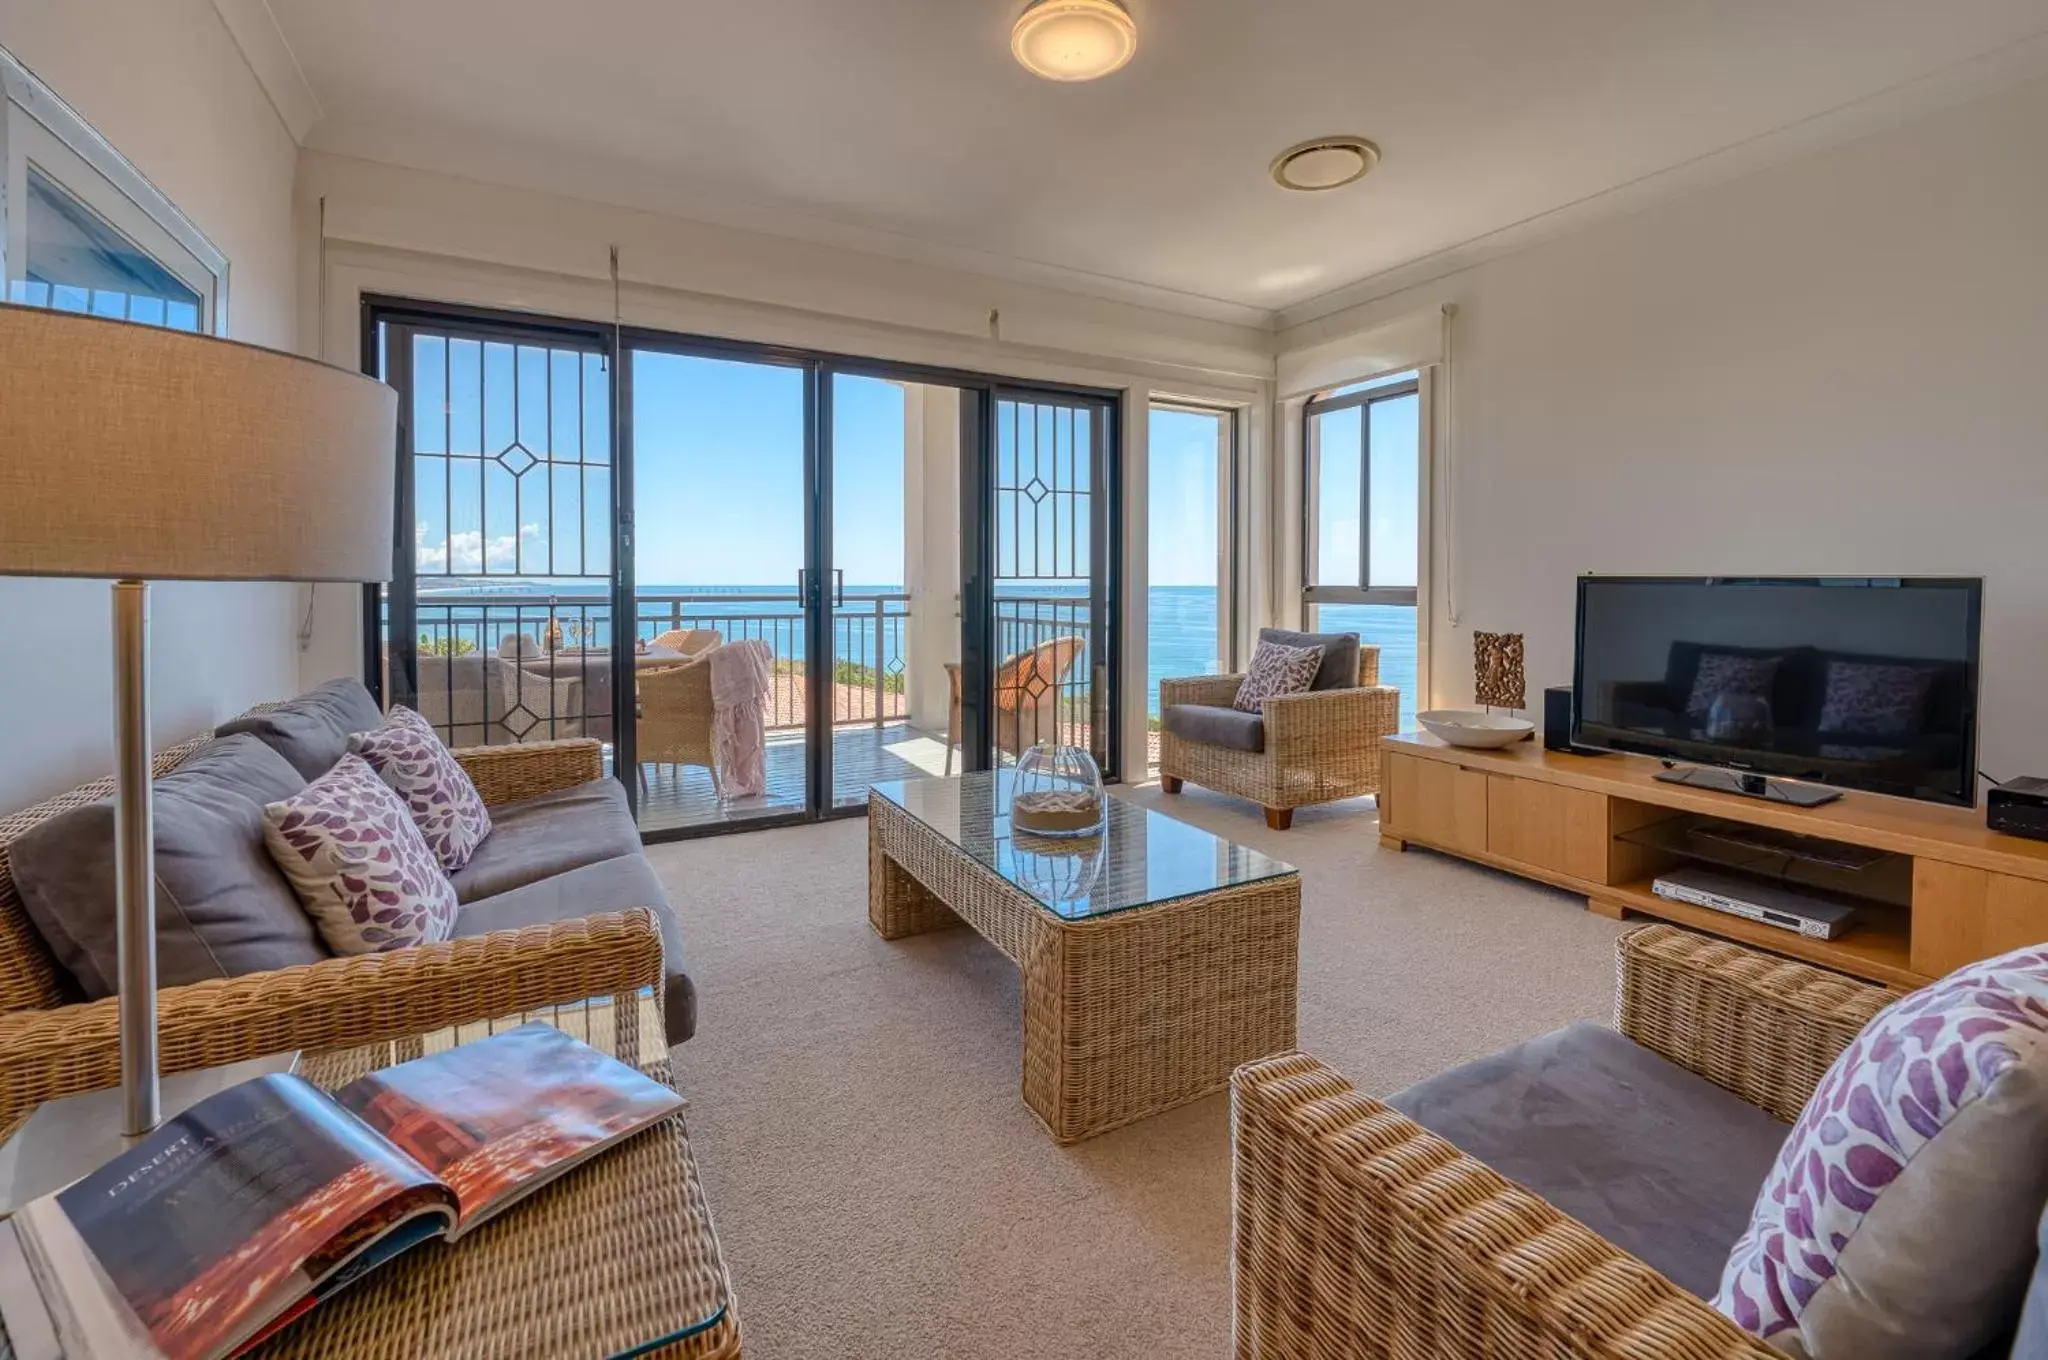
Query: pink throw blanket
741	673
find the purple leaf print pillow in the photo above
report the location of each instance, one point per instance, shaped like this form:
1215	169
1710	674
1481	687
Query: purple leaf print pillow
358	863
1899	1218
409	755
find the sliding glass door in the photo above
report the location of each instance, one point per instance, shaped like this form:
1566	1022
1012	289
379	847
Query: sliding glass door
498	623
720	474
1053	543
642	538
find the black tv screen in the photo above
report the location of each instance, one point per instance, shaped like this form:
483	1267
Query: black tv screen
1861	682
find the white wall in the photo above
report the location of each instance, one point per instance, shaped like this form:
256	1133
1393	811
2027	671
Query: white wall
1830	366
162	81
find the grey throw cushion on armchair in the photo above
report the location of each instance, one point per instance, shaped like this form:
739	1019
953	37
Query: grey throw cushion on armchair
222	906
1339	669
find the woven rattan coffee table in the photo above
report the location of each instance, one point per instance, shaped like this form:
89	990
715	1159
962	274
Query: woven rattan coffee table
616	1258
1156	957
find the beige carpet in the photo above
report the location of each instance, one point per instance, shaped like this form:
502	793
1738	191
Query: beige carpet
880	1189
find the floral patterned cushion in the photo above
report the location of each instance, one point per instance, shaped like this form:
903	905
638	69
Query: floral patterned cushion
410	756
358	863
1276	670
1732	676
1874	698
1899	1218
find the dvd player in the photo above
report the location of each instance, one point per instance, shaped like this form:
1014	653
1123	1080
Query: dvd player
1773	904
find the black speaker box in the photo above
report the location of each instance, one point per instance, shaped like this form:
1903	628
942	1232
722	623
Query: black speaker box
1557	718
1557	723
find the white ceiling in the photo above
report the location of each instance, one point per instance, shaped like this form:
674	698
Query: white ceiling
904	125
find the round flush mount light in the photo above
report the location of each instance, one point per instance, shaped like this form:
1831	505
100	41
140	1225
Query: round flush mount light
1325	163
1071	40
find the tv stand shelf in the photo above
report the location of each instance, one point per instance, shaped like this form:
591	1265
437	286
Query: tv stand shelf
1575	822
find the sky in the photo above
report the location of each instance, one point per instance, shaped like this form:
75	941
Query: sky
1394	558
1184	482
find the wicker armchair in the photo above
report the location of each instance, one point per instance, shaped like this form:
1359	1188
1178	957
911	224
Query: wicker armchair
49	1048
1319	747
676	713
688	641
1029	689
1360	1234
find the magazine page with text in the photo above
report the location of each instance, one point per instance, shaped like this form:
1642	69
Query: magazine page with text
221	1220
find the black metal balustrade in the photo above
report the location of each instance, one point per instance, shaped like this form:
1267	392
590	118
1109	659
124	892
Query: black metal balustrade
495	670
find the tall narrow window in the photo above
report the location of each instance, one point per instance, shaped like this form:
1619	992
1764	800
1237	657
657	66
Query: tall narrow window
1362	529
84	231
1190	619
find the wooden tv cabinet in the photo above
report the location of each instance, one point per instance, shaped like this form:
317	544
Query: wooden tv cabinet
1556	818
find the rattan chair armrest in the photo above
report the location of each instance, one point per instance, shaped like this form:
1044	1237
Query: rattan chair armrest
1213	690
506	774
1357	1233
1765	1028
336	1003
1295	723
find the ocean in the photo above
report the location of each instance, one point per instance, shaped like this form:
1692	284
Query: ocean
1181	623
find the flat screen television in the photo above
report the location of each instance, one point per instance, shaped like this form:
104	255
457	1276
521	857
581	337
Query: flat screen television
1857	682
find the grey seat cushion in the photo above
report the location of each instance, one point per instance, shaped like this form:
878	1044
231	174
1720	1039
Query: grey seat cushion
612	885
312	731
2032	1341
222	906
551	834
1661	1162
1340	655
1215	726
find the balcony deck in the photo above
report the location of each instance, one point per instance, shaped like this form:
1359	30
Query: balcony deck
681	796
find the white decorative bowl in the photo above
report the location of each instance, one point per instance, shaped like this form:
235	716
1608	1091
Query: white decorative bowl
1471	727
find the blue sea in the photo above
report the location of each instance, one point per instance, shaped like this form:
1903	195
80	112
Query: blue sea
870	626
1181	639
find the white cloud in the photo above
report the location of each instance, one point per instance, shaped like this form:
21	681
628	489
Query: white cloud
473	554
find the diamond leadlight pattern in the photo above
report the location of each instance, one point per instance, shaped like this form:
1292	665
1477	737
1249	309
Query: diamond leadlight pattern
516	458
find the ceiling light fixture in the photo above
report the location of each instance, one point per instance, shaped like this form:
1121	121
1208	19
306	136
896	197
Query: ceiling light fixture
1325	163
1071	40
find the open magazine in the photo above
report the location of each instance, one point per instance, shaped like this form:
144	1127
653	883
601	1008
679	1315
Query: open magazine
244	1212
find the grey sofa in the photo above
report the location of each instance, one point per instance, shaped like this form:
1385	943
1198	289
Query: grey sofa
563	846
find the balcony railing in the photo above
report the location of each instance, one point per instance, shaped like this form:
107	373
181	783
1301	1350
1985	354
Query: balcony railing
498	669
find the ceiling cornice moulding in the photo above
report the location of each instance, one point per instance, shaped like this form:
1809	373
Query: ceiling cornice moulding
255	30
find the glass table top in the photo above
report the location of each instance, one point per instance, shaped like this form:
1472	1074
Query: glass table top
1143	858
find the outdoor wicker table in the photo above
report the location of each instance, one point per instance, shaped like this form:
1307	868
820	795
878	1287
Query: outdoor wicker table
1156	957
616	1258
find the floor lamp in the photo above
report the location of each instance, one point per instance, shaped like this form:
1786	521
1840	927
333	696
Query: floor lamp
143	454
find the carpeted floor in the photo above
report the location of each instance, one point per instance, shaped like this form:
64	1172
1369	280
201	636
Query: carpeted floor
880	1189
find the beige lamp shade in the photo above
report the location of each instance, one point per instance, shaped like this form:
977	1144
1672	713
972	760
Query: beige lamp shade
129	451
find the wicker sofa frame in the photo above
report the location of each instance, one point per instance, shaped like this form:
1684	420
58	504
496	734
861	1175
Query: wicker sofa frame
1360	1234
51	1047
1320	746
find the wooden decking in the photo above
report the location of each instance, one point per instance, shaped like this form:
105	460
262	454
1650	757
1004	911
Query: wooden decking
681	796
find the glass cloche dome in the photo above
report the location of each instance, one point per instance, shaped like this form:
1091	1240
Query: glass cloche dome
1057	791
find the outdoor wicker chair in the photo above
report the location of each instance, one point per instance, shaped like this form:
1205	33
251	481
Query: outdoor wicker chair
1359	1233
52	1046
688	641
1315	747
676	714
1028	689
